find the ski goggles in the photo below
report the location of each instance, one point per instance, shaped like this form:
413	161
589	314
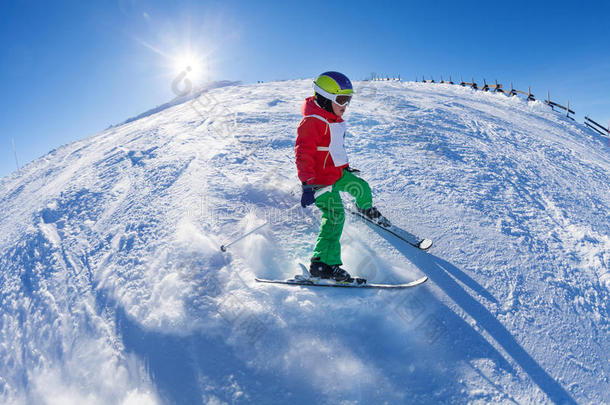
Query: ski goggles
340	99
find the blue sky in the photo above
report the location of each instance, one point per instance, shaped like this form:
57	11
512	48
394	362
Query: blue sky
70	69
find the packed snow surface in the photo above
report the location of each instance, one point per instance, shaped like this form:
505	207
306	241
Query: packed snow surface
113	288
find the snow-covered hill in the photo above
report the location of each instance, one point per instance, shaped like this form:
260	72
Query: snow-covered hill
113	289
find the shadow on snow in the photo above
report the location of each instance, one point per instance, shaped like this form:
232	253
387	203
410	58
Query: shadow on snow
446	277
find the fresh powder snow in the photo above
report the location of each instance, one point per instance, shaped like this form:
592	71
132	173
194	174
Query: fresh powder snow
113	289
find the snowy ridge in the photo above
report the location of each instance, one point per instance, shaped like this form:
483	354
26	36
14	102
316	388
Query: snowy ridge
188	95
113	289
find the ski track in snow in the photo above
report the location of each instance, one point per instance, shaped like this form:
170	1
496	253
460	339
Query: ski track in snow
113	289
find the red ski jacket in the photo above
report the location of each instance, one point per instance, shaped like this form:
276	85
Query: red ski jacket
315	166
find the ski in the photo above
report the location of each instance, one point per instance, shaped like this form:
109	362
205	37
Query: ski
308	281
423	244
329	283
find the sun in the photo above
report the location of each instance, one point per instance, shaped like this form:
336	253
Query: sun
189	64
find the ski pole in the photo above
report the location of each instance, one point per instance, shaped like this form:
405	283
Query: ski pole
225	246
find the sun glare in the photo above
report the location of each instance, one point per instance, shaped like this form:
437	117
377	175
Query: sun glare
189	64
188	52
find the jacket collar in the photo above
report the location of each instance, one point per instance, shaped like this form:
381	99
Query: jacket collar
310	107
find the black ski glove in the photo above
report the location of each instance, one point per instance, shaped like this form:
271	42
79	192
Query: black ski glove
307	198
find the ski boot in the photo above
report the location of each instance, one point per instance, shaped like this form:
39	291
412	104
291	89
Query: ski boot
374	215
323	270
334	272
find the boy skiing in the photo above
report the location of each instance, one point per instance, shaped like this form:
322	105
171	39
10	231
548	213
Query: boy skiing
323	169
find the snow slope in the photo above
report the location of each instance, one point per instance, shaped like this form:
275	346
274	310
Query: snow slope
113	289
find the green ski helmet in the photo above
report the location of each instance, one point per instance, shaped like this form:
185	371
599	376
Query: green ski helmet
334	86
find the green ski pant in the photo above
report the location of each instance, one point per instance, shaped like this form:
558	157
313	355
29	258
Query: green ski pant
328	246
